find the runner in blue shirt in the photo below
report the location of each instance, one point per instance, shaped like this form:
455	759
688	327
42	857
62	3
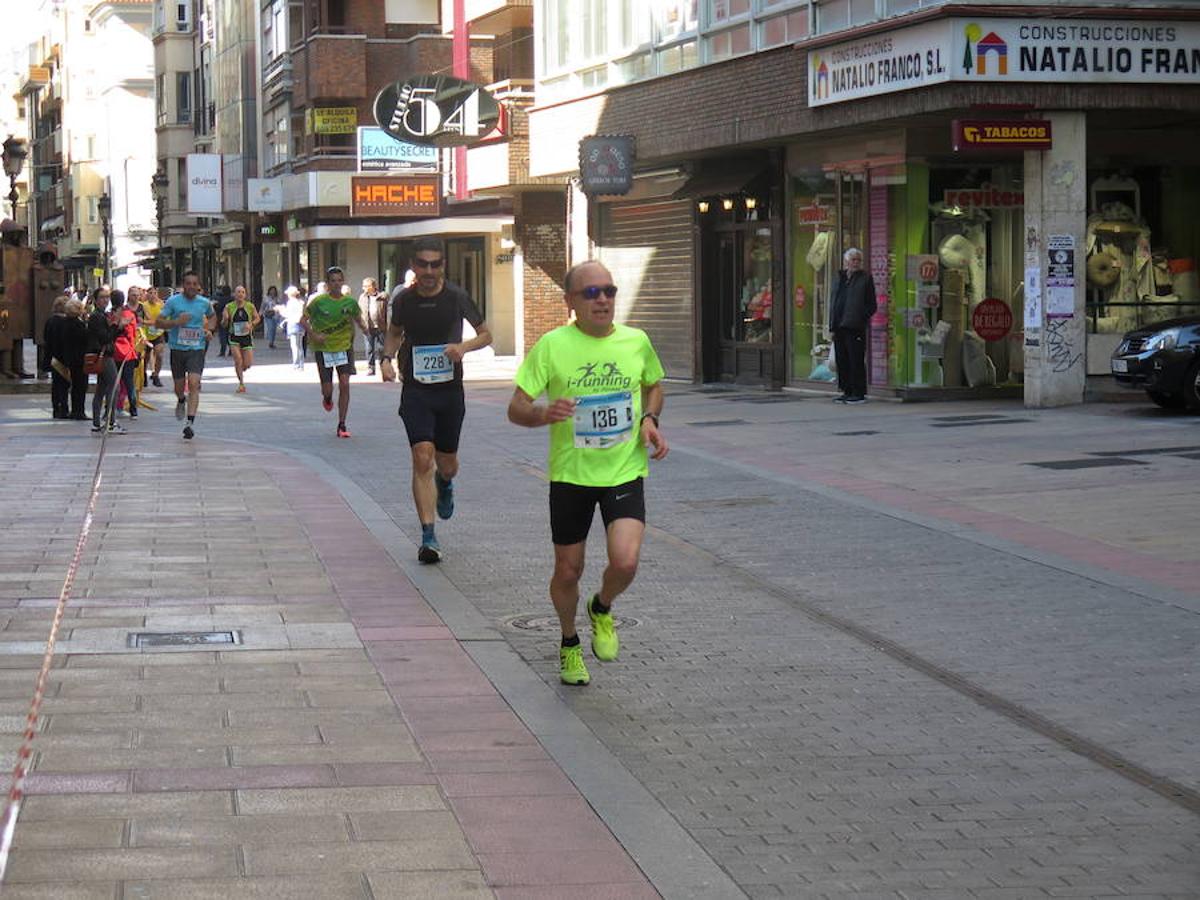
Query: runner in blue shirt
190	320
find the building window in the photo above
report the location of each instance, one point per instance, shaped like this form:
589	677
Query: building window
731	42
278	136
677	58
720	12
835	15
93	206
275	30
181	183
183	98
160	98
785	29
183	17
594	24
675	18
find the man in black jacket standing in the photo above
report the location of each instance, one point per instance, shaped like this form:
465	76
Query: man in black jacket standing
850	313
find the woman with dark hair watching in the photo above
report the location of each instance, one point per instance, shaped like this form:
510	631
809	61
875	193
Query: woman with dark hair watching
101	335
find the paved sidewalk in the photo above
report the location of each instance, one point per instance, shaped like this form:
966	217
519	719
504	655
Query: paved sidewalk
939	650
347	747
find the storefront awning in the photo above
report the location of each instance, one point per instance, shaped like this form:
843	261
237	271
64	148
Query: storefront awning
715	184
419	228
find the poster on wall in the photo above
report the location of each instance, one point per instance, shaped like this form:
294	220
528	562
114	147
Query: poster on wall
204	184
1060	277
1033	298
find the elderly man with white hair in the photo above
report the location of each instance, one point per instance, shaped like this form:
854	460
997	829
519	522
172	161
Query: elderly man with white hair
850	312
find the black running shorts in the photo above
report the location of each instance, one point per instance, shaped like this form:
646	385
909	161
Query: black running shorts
573	505
186	362
325	373
433	414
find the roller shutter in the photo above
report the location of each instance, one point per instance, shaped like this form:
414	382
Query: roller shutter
649	249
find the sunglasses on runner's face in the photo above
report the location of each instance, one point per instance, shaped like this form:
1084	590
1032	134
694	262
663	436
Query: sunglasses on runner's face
593	292
428	263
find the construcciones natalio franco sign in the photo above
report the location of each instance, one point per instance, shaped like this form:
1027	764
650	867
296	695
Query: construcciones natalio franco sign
1006	50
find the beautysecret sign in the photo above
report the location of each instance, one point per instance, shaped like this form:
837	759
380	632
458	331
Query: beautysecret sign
1006	50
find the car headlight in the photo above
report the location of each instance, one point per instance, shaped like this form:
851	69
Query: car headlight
1163	340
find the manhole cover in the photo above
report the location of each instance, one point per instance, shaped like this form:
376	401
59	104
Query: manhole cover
182	638
540	622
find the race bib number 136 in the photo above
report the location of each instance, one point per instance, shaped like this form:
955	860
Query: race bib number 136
603	420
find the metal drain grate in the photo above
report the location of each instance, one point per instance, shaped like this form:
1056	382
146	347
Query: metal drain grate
139	639
1095	463
539	622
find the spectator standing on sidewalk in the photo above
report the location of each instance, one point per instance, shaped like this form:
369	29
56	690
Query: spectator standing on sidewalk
100	343
220	300
293	314
851	309
60	375
603	384
270	316
125	346
73	344
372	306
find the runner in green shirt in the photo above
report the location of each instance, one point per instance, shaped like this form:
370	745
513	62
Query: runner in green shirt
603	383
329	319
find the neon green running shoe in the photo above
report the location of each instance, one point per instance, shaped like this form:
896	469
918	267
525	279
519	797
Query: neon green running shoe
572	670
605	643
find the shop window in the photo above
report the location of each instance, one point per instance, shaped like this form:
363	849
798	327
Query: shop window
1142	247
732	42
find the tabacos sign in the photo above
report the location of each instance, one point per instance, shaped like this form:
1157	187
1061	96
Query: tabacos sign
1001	134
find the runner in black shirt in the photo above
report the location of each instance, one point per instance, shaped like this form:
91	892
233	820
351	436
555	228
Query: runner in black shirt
426	326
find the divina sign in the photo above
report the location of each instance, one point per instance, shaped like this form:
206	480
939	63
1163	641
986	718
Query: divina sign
436	110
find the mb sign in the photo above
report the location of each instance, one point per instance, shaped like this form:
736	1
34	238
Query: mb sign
436	110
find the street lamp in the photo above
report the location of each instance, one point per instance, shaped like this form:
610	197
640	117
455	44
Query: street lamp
14	154
158	187
104	207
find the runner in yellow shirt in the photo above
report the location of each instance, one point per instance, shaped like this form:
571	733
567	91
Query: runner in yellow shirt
603	383
330	319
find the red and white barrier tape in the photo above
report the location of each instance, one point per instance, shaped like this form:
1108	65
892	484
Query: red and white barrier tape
16	791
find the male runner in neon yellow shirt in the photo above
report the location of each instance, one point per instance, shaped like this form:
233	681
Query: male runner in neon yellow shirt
603	382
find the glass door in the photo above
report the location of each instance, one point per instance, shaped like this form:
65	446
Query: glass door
465	267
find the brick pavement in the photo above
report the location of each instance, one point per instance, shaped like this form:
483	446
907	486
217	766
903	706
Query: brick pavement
803	760
349	747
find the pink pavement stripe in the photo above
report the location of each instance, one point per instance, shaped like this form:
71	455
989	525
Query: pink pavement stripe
1173	574
423	723
510	784
221	779
532	825
580	892
559	868
78	783
478	740
406	633
373	774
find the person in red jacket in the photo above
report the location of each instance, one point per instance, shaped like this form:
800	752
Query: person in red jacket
125	353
